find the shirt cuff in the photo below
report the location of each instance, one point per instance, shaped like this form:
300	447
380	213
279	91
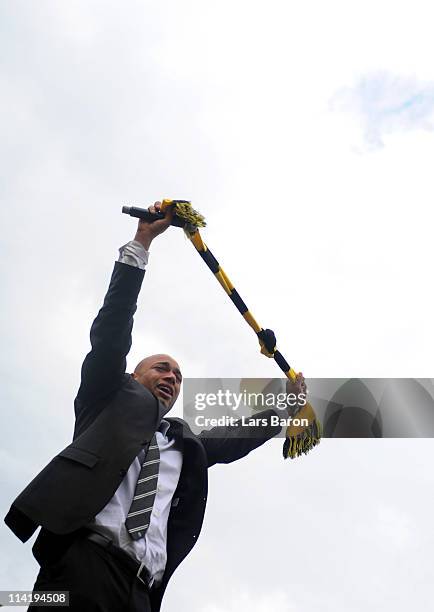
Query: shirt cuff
134	254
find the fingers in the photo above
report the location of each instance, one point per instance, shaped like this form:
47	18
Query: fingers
299	384
155	208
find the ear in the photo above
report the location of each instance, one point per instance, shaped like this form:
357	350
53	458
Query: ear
134	375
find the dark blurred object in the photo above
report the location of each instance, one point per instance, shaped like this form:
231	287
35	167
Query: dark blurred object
407	408
353	413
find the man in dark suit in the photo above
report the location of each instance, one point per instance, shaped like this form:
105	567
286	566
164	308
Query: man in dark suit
123	504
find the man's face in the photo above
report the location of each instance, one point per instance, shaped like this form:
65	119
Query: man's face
162	376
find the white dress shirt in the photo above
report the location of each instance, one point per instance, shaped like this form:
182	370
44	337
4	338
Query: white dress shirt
151	550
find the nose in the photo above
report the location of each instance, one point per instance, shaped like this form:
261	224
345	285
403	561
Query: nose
170	376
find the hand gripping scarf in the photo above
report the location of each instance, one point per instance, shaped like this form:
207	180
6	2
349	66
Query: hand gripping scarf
298	439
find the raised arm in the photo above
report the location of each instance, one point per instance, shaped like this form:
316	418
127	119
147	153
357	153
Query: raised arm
110	335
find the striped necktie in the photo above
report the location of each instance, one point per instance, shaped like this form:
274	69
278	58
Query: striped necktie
139	515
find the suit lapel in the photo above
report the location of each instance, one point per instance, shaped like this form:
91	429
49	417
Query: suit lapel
176	432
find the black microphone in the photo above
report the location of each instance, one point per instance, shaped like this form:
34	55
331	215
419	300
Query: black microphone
143	213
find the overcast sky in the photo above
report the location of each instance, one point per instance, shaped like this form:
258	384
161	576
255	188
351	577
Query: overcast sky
304	133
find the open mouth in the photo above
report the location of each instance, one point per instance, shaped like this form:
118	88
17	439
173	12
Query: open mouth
165	391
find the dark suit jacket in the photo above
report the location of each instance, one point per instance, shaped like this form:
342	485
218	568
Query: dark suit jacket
115	418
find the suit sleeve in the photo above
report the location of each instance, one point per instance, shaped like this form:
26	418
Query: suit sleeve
110	336
227	444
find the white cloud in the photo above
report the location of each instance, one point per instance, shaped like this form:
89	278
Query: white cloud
242	599
396	527
385	104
